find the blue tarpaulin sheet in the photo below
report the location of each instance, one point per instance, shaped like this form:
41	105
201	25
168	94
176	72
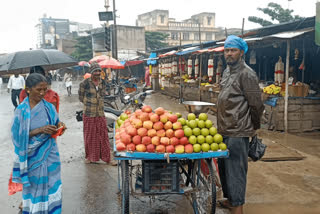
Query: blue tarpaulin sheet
272	101
152	61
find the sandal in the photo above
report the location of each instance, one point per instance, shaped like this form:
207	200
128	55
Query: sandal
20	206
87	161
113	163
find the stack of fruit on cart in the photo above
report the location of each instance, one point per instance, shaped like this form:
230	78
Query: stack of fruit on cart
202	134
272	89
162	131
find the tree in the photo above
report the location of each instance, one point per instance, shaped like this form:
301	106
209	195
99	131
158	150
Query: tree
83	48
276	12
155	40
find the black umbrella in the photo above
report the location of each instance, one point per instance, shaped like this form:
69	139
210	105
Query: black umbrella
23	60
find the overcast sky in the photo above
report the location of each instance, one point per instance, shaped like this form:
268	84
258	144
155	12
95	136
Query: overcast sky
18	17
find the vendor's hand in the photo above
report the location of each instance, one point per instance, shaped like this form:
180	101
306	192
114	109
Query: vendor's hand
8	90
48	129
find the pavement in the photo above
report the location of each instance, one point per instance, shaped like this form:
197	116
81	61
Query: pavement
273	187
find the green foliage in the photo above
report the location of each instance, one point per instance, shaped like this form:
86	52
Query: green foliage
83	48
276	13
155	40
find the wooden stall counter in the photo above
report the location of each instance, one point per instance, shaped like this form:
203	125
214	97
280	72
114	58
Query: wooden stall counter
303	113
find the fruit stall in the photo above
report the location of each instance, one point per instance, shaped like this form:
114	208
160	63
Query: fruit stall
286	59
177	155
191	73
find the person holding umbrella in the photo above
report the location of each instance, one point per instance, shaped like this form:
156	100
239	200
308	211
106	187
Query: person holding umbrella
16	84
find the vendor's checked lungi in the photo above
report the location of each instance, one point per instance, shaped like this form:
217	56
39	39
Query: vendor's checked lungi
96	140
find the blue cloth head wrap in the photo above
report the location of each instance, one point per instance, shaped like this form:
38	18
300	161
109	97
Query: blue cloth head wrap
236	42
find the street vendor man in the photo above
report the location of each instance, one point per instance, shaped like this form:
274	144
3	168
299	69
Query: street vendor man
239	111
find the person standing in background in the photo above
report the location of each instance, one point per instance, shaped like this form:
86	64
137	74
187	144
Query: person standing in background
68	81
147	77
95	131
16	84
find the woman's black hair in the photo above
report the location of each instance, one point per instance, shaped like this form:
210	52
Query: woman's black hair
40	70
37	69
34	79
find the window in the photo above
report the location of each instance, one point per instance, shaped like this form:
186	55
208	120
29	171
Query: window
162	19
208	36
209	18
174	36
185	36
196	36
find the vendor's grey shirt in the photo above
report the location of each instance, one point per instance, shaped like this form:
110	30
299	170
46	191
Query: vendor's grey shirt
239	102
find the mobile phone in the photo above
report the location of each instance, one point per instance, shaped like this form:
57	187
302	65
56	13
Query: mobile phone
61	127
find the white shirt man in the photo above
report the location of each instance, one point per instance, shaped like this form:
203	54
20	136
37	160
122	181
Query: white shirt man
16	84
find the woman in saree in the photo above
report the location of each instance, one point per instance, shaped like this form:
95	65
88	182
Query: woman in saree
37	160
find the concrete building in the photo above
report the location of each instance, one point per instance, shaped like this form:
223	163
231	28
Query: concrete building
51	30
188	30
130	41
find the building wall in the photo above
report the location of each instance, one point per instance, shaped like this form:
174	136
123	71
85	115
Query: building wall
50	30
187	30
154	20
66	45
130	39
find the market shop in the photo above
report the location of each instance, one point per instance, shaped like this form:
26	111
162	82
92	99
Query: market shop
194	73
292	98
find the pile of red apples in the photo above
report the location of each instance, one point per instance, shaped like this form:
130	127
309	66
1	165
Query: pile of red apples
154	132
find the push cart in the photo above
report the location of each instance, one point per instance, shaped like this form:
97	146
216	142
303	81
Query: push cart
192	174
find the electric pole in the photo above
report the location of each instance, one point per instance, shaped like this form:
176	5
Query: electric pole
107	30
114	38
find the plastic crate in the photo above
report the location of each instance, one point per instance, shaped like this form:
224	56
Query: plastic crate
160	177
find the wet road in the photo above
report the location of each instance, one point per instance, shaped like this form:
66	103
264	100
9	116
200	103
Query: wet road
273	187
87	188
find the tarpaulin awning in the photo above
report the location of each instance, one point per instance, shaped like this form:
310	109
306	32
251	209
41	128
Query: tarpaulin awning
201	51
187	51
209	50
152	59
218	49
132	63
282	35
289	35
170	53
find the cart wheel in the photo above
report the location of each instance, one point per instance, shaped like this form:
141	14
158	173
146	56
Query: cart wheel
204	194
125	187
